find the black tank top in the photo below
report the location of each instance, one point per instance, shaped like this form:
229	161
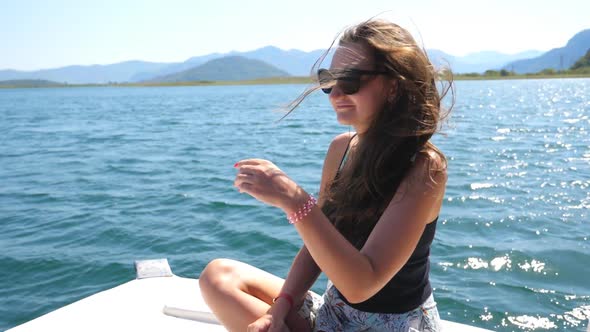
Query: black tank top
410	287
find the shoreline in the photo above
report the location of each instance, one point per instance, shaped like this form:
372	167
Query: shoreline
273	81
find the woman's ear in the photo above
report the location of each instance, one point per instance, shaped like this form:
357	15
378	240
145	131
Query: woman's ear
392	93
393	87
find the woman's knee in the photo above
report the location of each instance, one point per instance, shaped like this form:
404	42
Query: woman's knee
218	274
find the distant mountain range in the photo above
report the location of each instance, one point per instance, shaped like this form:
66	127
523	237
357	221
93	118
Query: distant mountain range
118	72
558	58
271	61
477	62
294	62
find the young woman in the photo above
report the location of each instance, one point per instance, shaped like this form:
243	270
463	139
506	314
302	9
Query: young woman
381	191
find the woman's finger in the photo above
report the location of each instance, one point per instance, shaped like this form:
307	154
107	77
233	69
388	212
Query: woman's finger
245	186
252	161
249	188
248	162
245	176
244	179
250	169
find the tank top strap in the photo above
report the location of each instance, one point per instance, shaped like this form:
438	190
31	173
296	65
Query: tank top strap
345	156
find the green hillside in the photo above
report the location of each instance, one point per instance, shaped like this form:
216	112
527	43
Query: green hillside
230	68
582	65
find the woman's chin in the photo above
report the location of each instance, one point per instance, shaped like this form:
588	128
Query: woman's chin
343	119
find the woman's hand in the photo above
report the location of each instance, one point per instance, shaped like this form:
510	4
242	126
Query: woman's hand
266	182
268	323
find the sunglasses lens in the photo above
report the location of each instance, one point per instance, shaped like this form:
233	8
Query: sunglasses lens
347	83
326	79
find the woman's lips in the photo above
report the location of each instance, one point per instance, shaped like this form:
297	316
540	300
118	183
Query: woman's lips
344	106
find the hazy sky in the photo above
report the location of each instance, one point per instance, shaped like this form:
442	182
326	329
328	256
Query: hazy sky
53	33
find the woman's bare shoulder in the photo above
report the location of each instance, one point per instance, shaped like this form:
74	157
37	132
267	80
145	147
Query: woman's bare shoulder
332	161
339	143
335	153
343	138
431	165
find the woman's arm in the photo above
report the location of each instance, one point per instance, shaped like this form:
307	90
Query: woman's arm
302	275
304	270
358	275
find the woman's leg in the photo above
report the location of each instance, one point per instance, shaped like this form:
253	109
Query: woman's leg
239	293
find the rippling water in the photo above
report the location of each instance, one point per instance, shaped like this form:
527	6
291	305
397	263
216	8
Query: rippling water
92	179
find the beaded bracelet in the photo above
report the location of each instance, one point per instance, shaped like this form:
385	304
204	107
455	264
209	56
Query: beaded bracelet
303	211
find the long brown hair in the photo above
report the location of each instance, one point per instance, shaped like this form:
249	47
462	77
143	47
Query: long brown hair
398	133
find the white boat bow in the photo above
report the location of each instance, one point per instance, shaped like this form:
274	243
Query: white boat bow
156	301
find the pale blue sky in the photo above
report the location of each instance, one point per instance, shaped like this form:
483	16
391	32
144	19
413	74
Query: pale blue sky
53	33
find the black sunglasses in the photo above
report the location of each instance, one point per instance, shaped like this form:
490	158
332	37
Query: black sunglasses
348	80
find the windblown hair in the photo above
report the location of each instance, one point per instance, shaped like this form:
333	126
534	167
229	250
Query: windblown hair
397	135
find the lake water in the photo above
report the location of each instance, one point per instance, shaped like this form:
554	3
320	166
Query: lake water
92	179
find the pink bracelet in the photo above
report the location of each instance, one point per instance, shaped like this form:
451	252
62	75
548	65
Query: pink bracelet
303	211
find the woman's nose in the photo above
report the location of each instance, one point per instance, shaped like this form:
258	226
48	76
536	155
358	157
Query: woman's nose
336	92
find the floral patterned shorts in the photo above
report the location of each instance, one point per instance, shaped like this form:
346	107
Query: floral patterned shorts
330	313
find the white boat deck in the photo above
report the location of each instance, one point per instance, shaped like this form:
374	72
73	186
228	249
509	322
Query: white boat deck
139	305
